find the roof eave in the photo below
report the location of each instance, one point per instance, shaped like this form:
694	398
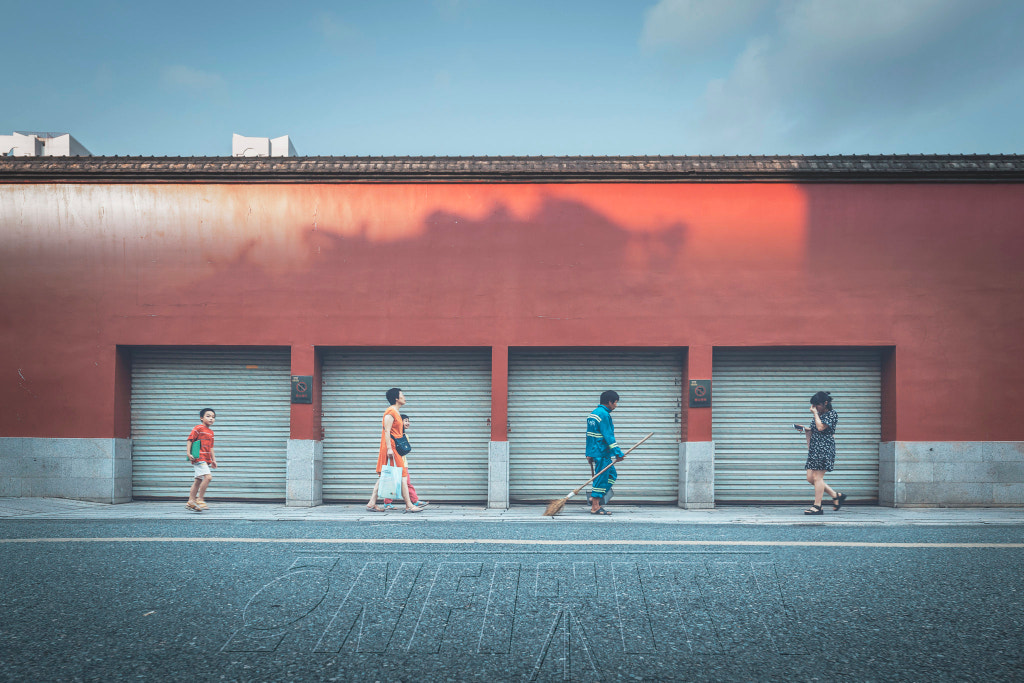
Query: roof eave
650	169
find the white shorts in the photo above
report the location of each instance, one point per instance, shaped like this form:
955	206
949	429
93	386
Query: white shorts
202	469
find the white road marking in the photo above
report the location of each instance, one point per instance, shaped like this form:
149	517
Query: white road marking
508	542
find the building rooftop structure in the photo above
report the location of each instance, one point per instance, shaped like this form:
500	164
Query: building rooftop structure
348	169
37	144
245	146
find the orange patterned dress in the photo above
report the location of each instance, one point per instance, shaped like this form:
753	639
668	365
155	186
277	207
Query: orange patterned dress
397	429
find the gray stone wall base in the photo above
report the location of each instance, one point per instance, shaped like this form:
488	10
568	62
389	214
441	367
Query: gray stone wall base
497	475
951	473
887	474
97	470
304	475
697	475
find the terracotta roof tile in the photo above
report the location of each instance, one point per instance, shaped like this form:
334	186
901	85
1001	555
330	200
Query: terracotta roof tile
859	168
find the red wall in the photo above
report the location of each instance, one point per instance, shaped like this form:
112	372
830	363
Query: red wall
932	271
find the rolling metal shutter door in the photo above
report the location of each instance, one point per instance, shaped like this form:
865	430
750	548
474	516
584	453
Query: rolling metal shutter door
251	392
551	392
449	403
760	393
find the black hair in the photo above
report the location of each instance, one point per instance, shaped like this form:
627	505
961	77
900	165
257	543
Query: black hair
608	397
392	395
403	416
207	410
822	397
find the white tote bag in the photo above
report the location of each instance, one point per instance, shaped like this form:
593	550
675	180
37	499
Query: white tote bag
390	484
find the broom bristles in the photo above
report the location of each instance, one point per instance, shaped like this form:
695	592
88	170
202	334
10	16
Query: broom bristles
554	507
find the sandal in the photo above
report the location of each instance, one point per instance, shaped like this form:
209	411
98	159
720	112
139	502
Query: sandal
374	508
413	509
201	505
837	502
600	511
422	503
192	506
814	510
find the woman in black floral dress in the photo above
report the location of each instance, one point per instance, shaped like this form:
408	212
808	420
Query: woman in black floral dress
821	451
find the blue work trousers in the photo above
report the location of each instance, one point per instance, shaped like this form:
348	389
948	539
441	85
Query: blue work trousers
604	482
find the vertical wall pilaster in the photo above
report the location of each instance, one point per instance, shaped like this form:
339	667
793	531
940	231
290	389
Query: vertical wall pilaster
497	453
698	366
697	452
887	474
305	467
304	473
697	475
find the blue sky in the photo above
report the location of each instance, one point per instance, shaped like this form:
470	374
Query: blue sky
516	77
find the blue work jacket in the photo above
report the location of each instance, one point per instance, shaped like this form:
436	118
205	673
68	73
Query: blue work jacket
601	435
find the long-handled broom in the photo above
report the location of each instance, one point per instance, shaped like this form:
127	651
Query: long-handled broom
555	506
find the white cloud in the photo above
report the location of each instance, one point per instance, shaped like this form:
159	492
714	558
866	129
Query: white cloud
450	9
823	67
333	29
835	30
691	24
181	76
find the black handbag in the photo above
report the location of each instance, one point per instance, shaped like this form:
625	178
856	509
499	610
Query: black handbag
402	445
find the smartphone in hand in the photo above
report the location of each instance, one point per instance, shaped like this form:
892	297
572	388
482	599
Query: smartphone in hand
798	428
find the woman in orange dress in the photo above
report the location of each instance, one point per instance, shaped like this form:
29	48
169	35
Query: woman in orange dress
391	429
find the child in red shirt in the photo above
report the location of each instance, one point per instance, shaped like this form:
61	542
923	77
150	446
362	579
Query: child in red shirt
205	460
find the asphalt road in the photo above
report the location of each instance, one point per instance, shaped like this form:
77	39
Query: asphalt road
256	601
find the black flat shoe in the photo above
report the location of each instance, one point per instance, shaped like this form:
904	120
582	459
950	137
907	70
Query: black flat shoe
837	502
814	510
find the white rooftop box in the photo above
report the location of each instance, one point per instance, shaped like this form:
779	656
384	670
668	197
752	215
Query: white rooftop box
26	144
244	146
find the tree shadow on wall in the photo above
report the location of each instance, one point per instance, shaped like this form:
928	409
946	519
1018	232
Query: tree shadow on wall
565	260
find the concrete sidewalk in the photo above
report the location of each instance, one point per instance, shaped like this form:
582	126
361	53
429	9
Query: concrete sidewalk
58	508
